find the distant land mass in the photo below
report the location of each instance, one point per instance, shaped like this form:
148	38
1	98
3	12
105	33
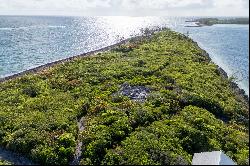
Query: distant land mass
212	21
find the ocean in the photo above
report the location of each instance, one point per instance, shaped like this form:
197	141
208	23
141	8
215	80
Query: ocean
30	41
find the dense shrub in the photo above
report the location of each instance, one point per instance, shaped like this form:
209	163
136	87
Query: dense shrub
190	108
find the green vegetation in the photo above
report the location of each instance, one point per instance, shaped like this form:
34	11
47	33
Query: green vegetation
3	162
190	107
212	21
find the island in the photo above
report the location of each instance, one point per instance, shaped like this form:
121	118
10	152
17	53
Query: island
153	99
212	21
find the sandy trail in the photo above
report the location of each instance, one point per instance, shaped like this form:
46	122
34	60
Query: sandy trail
14	158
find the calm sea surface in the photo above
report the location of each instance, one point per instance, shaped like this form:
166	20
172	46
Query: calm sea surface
28	42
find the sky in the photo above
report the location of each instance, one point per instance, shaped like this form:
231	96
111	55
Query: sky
126	7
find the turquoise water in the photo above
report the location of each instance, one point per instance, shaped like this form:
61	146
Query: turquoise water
28	42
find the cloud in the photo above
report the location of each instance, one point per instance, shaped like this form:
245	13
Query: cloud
158	4
246	3
125	7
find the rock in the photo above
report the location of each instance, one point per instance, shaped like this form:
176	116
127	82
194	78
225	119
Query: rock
239	91
137	93
222	72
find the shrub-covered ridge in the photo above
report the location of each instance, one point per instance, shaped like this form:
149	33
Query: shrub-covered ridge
189	107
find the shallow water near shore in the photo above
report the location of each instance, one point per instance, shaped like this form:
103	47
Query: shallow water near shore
28	42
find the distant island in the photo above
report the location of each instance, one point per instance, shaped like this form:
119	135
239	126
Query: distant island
212	21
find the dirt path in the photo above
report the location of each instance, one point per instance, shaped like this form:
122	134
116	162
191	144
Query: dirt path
18	159
78	152
14	158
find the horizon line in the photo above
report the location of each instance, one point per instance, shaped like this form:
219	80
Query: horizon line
58	15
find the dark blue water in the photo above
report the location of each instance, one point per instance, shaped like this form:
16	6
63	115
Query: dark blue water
27	42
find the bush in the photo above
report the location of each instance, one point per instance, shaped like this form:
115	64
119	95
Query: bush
190	107
31	91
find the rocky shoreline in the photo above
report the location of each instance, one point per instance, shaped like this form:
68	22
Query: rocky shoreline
223	73
48	65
